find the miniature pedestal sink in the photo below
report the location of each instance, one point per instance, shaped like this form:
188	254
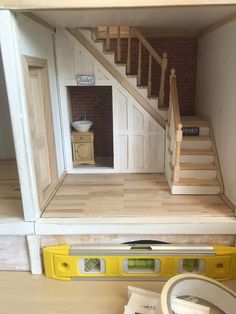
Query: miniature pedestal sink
82	125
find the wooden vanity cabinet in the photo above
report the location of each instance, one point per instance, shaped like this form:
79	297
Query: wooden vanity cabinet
83	148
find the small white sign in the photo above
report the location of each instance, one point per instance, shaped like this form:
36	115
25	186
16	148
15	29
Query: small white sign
85	80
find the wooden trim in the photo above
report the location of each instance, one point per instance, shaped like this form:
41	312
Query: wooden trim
40	21
137	225
146	44
97	4
125	83
147	33
217	24
228	202
217	160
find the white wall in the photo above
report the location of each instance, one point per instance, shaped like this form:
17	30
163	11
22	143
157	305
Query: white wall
35	40
217	96
7	150
137	138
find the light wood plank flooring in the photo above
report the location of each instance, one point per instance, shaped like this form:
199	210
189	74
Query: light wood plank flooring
10	195
83	195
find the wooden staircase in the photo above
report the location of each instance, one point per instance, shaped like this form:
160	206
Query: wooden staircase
191	165
192	162
107	49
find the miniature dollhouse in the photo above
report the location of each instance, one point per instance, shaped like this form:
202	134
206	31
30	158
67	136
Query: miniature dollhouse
157	160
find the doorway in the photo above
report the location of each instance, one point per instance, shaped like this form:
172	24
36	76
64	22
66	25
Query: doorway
41	126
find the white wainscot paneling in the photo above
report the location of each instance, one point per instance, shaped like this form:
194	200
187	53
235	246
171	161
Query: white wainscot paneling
138	138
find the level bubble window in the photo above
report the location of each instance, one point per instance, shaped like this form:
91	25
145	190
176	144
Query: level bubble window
191	265
91	265
141	265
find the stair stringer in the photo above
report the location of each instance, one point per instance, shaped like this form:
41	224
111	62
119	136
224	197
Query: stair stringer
133	126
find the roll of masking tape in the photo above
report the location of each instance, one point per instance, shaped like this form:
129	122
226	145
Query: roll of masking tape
200	287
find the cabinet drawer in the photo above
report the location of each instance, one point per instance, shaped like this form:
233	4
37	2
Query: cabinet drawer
82	138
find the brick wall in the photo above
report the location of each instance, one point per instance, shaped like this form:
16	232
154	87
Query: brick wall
96	102
182	55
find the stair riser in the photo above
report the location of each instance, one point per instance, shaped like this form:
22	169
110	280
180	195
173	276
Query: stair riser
198	174
195	190
196	144
204	131
202	159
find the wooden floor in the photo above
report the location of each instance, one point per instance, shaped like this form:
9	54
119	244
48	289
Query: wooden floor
10	195
39	295
83	195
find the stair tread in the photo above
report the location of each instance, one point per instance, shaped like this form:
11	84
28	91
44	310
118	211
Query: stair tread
197	166
197	138
197	152
197	182
193	121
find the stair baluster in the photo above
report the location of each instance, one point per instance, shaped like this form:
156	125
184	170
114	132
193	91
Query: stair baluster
128	64
139	63
108	40
162	84
150	76
118	51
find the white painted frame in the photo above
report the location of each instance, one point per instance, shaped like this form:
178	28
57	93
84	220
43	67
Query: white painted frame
18	112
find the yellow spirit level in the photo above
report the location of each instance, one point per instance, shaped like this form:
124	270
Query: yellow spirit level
145	262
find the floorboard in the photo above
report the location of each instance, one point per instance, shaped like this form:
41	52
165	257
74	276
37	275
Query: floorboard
82	195
10	194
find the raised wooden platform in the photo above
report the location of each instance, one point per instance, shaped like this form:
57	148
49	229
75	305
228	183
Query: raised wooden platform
119	195
10	194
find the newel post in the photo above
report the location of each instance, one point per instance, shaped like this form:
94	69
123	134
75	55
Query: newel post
179	135
162	84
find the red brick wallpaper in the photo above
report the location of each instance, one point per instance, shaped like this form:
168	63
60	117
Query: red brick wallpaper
182	55
96	102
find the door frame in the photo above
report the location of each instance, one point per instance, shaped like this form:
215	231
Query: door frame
27	62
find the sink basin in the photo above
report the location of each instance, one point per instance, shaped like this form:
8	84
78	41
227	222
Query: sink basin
82	125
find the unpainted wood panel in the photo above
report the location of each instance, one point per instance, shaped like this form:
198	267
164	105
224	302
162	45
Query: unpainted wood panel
14	253
39	129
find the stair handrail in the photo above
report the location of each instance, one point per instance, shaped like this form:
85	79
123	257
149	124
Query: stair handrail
161	61
175	126
153	56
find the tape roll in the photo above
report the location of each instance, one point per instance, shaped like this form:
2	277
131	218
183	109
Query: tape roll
200	287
